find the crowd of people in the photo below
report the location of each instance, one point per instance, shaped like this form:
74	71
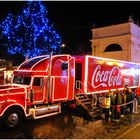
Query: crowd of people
120	103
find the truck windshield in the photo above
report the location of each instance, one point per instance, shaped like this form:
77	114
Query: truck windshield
22	80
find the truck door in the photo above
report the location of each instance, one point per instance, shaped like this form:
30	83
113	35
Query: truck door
38	88
62	87
60	80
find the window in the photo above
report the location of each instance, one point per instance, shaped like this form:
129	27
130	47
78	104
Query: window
113	47
38	81
22	80
64	66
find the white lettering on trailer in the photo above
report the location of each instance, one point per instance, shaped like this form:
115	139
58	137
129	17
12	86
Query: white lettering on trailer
106	78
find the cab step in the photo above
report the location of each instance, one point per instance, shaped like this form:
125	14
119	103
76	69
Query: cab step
44	111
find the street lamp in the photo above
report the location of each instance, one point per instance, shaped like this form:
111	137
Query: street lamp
63	45
66	49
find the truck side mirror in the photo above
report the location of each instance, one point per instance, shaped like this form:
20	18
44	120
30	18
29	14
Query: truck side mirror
64	66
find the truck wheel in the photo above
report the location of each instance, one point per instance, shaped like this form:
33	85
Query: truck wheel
12	118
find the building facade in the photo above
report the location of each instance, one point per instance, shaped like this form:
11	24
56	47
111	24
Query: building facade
121	41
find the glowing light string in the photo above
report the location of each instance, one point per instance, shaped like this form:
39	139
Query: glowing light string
30	33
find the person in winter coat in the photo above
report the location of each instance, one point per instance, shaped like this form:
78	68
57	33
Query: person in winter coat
107	104
112	108
123	107
129	99
135	103
118	102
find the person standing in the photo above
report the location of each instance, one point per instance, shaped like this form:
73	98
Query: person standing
118	102
107	104
129	102
112	107
123	107
135	103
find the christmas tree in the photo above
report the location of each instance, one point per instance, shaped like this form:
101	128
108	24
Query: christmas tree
30	33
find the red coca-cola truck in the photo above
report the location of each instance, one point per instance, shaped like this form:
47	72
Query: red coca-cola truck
41	85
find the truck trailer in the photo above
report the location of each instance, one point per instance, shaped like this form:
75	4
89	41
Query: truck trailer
40	85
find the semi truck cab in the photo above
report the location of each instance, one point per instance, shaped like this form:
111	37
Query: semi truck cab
39	85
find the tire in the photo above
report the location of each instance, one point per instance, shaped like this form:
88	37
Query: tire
12	118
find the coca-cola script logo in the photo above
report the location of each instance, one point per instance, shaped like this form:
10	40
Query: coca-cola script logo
106	78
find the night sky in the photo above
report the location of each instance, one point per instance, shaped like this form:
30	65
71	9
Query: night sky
74	19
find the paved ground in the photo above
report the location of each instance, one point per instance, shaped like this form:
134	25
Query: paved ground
131	133
69	125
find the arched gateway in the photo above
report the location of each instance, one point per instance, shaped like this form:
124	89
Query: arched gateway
121	41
